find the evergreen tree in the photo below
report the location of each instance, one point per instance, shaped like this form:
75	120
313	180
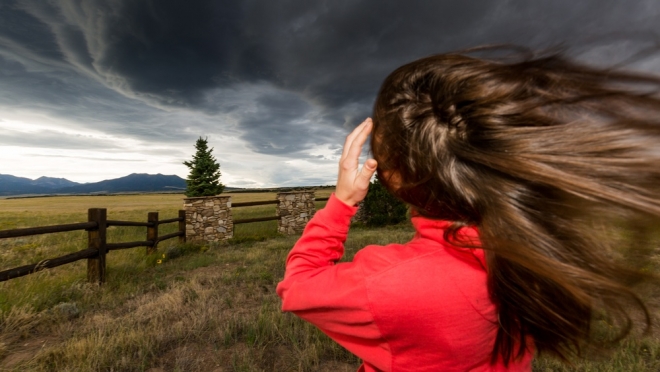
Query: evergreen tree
204	177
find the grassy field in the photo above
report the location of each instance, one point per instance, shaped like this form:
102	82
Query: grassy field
203	308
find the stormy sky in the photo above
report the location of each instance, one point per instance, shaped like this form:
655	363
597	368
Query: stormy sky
91	90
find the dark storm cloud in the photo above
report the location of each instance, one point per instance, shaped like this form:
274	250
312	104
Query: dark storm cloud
35	87
283	76
283	123
167	50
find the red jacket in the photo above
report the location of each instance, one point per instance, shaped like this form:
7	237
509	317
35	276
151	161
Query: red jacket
419	306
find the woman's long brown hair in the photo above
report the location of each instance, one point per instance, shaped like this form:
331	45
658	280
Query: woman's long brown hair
535	153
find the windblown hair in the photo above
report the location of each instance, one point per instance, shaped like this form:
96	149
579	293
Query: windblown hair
534	152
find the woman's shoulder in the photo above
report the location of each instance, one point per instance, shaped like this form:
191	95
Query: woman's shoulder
379	259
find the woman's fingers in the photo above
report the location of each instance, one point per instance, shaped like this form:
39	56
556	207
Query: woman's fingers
353	147
351	137
363	178
352	185
360	138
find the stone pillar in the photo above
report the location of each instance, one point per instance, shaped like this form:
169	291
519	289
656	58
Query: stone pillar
208	218
294	209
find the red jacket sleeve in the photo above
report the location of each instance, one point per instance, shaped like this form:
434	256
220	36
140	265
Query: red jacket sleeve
332	296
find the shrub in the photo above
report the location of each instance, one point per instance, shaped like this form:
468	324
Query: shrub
382	208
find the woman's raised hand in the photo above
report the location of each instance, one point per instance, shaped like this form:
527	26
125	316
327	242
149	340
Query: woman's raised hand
352	182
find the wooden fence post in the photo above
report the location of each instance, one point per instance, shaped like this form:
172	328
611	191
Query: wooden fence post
152	232
97	240
182	226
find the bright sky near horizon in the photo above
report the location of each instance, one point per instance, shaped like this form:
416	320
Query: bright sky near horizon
98	90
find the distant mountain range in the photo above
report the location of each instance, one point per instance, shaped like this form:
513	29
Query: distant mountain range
136	182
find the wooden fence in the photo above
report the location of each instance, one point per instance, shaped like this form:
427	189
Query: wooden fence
97	247
252	204
260	219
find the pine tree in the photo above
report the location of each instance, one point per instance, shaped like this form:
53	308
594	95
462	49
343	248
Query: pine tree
204	177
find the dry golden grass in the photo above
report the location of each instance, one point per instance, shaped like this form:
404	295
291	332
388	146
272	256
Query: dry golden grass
205	308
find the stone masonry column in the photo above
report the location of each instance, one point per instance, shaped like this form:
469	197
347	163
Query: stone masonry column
208	218
294	209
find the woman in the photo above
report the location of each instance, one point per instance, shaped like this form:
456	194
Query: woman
509	169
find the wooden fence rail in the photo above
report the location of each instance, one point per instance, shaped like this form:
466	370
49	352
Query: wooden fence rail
97	245
47	264
260	219
251	204
256	219
128	223
46	229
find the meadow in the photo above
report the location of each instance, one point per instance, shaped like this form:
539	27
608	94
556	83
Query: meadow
188	307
